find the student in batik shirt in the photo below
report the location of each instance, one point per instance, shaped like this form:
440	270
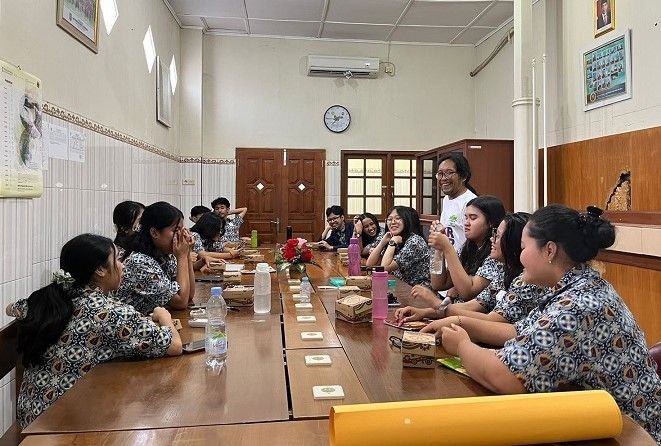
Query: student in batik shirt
221	206
68	327
403	251
582	331
197	211
158	270
207	233
126	217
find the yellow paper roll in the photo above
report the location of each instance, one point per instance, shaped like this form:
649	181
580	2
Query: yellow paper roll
485	420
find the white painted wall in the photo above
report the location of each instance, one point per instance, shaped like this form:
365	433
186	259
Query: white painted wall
112	87
190	132
257	94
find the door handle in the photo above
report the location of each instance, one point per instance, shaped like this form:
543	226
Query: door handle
277	225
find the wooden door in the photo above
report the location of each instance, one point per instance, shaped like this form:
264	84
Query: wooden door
281	187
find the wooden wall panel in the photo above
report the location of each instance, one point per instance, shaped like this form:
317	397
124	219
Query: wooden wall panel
641	290
585	172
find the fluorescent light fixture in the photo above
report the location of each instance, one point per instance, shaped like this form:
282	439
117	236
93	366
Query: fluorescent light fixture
173	75
150	49
110	13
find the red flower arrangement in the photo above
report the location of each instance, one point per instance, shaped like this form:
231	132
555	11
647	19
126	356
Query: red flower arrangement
294	253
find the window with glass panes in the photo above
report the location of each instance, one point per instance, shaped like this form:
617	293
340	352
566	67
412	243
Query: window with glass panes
364	179
404	182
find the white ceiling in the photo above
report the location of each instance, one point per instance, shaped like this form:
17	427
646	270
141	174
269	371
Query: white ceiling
458	22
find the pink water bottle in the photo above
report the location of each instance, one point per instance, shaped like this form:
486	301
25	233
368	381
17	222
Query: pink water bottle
354	257
379	293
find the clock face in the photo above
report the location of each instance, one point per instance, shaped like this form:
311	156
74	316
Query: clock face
337	118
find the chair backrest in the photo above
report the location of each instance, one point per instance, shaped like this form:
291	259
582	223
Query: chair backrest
655	353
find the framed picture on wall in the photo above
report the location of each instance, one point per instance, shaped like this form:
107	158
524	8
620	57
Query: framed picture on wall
80	18
163	94
607	72
604	16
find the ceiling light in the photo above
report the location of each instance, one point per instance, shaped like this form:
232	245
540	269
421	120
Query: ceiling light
110	13
150	49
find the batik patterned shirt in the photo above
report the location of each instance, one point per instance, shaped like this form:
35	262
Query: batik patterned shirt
232	226
100	329
494	272
582	334
519	300
206	245
146	283
413	261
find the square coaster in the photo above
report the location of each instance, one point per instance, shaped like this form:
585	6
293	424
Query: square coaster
315	360
305	306
328	392
312	335
308	319
296	297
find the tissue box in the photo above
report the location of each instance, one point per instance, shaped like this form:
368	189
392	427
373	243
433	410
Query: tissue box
254	258
239	296
230	277
363	282
419	350
354	308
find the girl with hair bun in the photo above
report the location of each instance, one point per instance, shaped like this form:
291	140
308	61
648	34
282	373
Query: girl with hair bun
69	326
582	334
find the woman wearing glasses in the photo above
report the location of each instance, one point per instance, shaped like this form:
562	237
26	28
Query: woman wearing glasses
453	176
402	250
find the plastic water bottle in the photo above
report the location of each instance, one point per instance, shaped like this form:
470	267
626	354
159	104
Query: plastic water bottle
216	337
379	293
354	257
306	290
262	298
437	265
254	242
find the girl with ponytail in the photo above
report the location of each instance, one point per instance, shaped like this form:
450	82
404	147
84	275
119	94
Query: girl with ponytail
71	325
581	334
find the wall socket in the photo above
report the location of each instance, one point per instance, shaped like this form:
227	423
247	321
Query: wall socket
188	182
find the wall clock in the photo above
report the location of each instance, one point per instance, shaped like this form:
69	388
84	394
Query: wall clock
337	118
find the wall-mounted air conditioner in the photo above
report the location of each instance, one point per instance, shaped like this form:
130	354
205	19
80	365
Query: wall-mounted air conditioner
334	66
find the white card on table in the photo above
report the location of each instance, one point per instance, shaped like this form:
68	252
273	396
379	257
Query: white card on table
306	319
233	267
293	288
328	392
312	335
326	287
305	306
296	297
313	360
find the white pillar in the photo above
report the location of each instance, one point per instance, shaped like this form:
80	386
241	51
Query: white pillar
522	106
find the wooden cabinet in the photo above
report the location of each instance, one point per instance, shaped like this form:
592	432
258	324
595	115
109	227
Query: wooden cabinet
492	168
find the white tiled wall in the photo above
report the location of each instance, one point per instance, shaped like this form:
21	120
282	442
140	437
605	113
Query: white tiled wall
211	181
78	197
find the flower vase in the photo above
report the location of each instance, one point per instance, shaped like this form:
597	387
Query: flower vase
296	271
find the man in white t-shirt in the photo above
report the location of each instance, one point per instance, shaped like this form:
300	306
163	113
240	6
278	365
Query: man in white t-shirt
453	176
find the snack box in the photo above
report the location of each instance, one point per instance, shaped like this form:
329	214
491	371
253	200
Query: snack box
419	350
313	245
239	296
343	250
354	308
231	277
254	258
348	290
216	267
233	245
363	282
248	252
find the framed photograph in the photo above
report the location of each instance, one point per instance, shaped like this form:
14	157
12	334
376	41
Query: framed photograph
607	72
80	18
163	93
604	16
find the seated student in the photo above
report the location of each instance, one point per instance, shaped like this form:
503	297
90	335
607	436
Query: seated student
471	272
453	176
402	249
368	231
196	212
126	217
157	268
513	303
221	206
207	233
69	326
338	232
582	333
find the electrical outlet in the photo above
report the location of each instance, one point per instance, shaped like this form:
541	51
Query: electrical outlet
188	182
389	69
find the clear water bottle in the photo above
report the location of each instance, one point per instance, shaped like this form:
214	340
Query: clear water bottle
354	257
216	337
306	290
262	297
379	293
437	264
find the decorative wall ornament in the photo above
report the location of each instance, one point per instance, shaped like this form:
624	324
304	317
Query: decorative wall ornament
332	163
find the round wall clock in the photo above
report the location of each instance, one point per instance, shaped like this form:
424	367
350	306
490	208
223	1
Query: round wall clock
337	118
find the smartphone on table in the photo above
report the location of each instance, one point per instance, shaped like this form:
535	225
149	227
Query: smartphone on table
193	346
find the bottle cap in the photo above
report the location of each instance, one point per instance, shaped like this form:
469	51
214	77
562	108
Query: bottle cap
379	269
263	267
353	241
254	232
305	279
216	291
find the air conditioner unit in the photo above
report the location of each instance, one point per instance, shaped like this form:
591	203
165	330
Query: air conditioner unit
333	66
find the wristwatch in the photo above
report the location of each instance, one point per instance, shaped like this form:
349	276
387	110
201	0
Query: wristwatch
392	243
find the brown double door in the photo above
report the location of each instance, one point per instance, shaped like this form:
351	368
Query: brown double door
280	188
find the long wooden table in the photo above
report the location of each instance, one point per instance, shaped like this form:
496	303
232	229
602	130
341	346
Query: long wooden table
265	382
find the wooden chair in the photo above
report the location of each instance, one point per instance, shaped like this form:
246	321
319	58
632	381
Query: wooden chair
9	359
655	353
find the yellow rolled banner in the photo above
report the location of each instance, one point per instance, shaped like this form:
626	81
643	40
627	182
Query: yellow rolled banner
486	420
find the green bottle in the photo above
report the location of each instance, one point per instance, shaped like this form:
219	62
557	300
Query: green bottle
253	238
